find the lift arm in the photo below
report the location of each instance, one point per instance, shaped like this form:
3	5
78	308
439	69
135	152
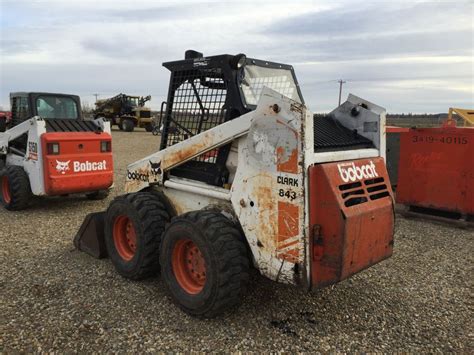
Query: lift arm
151	169
15	132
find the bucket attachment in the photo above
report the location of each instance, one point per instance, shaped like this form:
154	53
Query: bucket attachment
91	236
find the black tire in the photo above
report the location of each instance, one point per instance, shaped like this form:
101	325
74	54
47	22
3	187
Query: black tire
219	243
127	125
16	190
3	124
148	127
98	195
148	216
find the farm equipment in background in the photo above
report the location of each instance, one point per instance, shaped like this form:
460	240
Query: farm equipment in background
125	111
246	175
48	150
432	169
456	114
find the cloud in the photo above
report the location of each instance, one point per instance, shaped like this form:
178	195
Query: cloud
412	56
353	20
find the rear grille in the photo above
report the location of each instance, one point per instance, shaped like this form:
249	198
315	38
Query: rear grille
356	193
376	188
58	125
330	135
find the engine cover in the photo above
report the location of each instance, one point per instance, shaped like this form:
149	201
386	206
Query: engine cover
351	218
80	165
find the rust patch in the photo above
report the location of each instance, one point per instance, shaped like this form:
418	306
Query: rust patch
296	107
290	165
267	223
291	255
288	229
187	152
132	186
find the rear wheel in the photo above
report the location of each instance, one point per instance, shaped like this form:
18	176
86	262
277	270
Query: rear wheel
133	230
148	127
127	125
204	263
16	191
97	195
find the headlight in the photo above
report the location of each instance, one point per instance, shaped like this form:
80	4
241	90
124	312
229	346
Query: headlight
238	61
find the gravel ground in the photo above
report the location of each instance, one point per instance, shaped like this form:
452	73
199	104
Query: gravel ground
54	298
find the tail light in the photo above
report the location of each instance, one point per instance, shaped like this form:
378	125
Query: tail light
105	146
53	148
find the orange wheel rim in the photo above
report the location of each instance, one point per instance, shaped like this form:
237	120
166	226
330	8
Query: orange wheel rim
189	266
6	190
125	237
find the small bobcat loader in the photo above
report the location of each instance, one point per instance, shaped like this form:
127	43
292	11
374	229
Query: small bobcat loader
48	149
247	176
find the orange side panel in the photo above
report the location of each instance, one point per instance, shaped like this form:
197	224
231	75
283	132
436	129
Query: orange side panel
351	218
80	165
436	169
289	166
288	231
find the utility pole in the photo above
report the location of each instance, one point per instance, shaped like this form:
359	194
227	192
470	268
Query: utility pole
97	95
340	81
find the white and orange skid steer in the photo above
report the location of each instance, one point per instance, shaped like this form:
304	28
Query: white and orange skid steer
48	149
247	176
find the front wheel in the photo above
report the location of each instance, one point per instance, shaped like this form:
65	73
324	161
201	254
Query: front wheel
133	230
127	125
204	263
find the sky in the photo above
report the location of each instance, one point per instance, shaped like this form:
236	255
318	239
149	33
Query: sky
407	56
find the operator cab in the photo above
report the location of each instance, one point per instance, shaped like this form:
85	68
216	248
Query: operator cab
51	106
61	112
205	92
255	74
131	101
46	105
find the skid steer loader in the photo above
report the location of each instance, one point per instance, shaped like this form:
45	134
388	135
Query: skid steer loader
247	176
48	150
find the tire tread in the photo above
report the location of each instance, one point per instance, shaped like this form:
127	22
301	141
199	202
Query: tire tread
232	260
154	218
20	189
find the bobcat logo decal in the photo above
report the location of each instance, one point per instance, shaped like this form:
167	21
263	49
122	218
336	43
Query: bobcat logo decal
62	166
155	168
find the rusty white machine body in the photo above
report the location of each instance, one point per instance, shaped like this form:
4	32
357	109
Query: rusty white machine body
272	149
247	175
